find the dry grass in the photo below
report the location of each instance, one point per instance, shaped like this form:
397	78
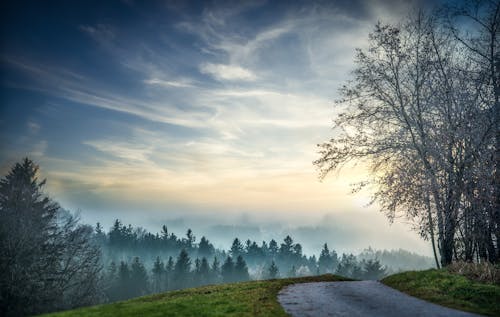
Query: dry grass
484	272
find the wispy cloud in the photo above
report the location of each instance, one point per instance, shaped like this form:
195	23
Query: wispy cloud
227	72
169	83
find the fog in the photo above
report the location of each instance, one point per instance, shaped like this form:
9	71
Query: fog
345	232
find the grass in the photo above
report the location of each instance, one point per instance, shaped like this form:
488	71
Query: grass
448	289
254	298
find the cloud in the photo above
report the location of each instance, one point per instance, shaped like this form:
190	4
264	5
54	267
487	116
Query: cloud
39	149
169	83
33	127
66	84
227	72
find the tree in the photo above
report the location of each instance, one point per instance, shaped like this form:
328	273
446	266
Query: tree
325	261
418	114
215	271
241	270
227	270
159	275
190	239
125	285
205	248
111	283
236	248
204	272
273	271
273	248
349	267
138	278
169	271
372	269
182	270
48	261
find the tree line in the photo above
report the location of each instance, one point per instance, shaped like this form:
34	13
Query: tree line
129	275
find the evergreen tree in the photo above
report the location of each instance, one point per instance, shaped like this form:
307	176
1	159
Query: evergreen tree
190	239
227	270
204	272
182	271
111	285
138	278
48	261
236	248
205	248
159	275
286	247
100	236
372	269
124	282
325	261
273	248
348	267
169	271
241	270
273	271
197	272
215	271
164	233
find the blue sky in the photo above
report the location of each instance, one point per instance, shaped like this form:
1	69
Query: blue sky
189	111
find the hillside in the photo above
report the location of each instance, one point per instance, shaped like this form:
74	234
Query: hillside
448	289
253	298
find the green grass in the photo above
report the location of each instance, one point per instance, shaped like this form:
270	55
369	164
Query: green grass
254	298
447	289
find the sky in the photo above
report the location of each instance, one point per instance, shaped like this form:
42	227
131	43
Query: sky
194	114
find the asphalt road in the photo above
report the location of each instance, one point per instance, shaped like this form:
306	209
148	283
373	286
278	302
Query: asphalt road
356	299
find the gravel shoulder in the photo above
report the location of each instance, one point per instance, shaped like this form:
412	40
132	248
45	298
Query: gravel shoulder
358	298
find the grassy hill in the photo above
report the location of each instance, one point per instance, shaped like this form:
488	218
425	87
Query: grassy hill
448	289
259	298
254	298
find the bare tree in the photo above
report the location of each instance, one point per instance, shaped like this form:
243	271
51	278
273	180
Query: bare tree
417	117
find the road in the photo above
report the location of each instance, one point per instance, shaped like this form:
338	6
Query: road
356	299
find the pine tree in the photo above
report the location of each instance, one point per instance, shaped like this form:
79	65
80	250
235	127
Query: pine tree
182	271
197	272
158	275
236	248
205	248
48	261
204	272
325	261
124	283
138	278
273	271
215	271
227	270
111	282
190	239
273	248
372	269
169	271
241	270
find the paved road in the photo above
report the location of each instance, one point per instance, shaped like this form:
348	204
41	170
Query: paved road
356	299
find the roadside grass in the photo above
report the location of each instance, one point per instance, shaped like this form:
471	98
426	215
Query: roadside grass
448	289
253	298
